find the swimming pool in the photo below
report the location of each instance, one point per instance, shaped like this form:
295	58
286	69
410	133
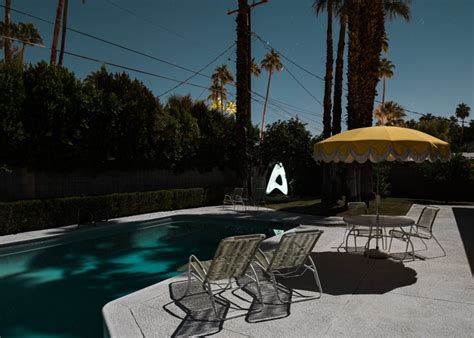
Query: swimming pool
57	288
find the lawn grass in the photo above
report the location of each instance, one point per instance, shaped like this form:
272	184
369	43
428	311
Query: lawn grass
313	206
390	206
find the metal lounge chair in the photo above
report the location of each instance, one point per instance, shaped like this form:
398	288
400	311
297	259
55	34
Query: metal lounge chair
291	259
231	261
423	229
235	198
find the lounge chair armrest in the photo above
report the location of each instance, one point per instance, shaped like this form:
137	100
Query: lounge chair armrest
192	259
259	256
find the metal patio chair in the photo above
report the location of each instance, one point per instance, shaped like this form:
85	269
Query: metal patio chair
423	230
291	259
234	199
231	261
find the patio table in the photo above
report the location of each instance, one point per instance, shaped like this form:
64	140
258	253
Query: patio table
378	222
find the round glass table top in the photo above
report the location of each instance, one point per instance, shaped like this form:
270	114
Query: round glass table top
382	221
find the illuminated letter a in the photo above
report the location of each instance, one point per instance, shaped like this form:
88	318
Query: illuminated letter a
272	182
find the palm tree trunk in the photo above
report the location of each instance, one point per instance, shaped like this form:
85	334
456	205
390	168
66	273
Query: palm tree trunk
383	91
63	33
222	97
337	108
22	53
265	106
8	42
328	77
54	47
366	30
462	131
243	119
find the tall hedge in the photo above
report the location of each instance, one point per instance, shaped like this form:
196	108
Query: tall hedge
51	120
31	215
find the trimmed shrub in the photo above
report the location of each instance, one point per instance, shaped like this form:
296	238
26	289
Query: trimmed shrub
31	215
188	198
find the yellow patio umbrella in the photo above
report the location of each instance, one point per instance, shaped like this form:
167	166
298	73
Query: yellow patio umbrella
382	143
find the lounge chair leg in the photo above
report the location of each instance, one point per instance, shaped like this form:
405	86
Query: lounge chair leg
390	245
259	290
188	286
424	243
316	276
213	304
275	286
439	244
343	238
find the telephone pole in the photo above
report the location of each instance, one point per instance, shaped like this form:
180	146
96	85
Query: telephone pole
243	77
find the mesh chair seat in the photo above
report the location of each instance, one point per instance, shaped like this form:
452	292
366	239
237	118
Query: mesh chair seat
419	234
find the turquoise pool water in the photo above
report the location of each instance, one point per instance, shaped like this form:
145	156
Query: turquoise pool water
58	288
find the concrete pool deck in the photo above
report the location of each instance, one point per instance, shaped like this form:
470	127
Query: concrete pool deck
361	297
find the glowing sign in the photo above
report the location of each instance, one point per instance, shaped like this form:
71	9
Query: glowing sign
278	171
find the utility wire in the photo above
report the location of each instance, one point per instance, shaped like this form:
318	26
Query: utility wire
131	69
268	45
154	75
302	86
135	15
198	71
109	42
113	64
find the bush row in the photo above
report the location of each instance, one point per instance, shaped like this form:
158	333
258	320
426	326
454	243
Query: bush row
31	215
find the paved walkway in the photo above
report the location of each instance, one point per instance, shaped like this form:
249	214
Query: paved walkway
362	297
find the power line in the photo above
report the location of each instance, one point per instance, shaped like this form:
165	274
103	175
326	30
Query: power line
115	65
268	45
131	69
302	86
135	15
279	106
109	42
181	82
276	106
198	71
157	76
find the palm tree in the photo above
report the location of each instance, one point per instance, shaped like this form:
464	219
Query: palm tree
243	115
220	78
389	114
214	95
8	42
64	30
397	8
270	63
319	6
462	112
29	36
254	68
386	68
385	42
59	10
341	12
